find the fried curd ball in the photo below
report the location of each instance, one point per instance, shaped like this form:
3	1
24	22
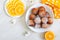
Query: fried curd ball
42	13
32	16
31	23
44	20
45	25
41	8
35	11
38	25
48	15
50	21
37	20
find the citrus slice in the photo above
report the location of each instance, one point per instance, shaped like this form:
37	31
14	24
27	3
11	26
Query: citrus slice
14	1
57	3
19	10
11	11
57	13
9	5
19	3
55	6
44	1
49	35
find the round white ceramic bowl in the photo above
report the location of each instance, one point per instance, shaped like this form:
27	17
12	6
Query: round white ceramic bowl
29	12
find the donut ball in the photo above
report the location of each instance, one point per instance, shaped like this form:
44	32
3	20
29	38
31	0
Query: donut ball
41	8
32	16
37	26
48	15
37	20
34	11
31	23
50	21
45	25
44	20
42	13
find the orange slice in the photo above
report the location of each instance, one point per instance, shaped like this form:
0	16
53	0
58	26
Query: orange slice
9	5
57	3
49	35
54	4
44	1
57	13
13	1
19	10
11	11
19	3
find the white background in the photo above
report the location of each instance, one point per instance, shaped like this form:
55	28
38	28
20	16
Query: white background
9	31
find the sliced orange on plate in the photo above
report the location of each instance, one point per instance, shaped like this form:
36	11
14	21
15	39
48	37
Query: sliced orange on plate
15	8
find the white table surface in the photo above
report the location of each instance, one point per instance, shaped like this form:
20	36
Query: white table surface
9	31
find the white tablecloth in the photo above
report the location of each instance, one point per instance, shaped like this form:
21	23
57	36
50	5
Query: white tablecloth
9	31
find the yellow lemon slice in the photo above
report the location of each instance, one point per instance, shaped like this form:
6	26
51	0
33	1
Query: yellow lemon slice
19	10
49	35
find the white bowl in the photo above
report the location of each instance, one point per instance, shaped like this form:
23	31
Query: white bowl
29	12
7	11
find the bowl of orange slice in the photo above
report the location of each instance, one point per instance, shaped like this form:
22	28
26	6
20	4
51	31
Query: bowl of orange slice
14	8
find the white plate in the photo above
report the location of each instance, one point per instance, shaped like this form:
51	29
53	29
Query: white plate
29	11
7	11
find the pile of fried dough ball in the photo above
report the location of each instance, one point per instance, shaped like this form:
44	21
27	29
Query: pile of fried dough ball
40	18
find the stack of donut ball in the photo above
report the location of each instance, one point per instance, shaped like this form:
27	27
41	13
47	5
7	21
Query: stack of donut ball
40	18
